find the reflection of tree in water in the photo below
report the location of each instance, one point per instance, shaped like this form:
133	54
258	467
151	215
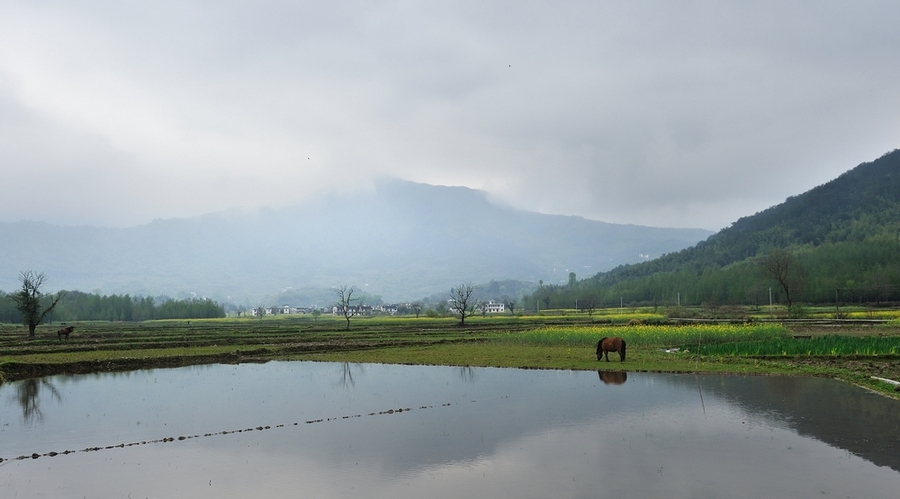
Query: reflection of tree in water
467	373
347	374
27	394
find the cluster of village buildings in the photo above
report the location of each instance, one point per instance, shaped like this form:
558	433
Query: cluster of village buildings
488	307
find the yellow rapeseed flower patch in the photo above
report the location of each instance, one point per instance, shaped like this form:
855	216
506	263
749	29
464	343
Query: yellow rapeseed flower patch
674	335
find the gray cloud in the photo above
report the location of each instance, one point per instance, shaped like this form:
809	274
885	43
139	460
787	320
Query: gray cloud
657	113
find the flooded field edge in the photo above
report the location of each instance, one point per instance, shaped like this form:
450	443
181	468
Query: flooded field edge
451	422
814	367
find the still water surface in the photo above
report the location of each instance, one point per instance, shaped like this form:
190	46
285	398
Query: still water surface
301	429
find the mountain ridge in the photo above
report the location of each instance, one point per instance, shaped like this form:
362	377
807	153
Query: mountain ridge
402	240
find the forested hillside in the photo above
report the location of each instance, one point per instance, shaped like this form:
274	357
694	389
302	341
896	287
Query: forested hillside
845	236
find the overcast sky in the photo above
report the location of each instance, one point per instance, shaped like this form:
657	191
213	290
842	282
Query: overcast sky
662	113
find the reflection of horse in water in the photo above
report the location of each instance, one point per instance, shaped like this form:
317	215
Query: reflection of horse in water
65	331
613	377
606	345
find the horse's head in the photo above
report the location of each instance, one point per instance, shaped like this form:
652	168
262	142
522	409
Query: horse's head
600	348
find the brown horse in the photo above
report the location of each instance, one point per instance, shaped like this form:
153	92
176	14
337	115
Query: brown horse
64	331
606	345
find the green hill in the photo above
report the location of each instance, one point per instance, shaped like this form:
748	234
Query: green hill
845	234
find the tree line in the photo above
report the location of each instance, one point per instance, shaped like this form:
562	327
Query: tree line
80	306
848	272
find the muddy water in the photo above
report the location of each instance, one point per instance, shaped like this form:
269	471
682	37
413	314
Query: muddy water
296	429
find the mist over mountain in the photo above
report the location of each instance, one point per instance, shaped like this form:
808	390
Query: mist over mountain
400	240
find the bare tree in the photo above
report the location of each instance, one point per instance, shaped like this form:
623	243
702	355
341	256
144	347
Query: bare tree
31	302
464	304
510	304
416	308
345	302
589	305
785	269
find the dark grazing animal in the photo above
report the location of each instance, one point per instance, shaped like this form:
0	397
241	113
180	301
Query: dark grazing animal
606	345
65	331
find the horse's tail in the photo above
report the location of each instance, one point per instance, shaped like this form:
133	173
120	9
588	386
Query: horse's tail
623	349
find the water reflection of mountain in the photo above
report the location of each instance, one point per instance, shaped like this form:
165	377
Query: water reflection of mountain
834	412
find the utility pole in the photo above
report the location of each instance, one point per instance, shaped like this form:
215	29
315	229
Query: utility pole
837	307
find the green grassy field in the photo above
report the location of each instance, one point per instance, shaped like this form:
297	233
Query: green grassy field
852	352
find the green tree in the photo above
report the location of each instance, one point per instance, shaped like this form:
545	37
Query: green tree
32	302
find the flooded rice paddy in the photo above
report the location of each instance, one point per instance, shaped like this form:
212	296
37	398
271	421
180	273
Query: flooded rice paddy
302	429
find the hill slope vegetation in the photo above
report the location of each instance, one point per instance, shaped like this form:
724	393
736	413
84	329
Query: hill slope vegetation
844	234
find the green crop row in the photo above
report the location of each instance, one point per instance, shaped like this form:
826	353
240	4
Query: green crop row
822	346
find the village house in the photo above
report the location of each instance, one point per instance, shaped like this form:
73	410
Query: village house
493	307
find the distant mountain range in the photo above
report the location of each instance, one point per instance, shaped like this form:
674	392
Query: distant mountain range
400	240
